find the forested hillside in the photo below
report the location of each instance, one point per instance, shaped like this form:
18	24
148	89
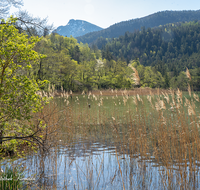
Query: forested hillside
154	20
77	67
169	49
168	43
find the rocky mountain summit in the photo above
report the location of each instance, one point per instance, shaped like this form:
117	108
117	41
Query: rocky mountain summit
77	28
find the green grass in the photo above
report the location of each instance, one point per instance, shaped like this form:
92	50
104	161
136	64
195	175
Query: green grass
10	178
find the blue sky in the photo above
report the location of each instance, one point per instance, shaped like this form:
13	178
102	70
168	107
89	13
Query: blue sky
102	12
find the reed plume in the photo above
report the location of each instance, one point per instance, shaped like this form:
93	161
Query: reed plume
188	73
196	97
189	89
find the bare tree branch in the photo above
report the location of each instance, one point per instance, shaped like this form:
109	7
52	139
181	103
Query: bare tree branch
33	25
25	21
5	6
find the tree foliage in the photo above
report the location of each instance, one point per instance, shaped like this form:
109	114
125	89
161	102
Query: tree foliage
18	92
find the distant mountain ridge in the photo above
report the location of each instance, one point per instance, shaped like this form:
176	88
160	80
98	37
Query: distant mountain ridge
77	28
153	20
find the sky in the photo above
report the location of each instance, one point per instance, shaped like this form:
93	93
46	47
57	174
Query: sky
103	13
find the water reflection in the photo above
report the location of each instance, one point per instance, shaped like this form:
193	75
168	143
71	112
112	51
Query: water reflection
96	164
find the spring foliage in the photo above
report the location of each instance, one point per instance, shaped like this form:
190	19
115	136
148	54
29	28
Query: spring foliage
18	97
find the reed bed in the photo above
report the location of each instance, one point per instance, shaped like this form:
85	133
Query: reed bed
141	91
140	139
160	127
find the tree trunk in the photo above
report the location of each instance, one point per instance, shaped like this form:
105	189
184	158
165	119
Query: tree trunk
1	134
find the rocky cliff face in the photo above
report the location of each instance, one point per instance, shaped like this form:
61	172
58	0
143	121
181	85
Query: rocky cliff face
77	28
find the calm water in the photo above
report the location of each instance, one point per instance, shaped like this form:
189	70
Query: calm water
102	165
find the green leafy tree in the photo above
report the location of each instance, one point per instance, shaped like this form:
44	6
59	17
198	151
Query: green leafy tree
181	81
18	93
152	79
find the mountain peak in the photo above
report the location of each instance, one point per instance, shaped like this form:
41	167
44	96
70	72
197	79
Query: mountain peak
77	28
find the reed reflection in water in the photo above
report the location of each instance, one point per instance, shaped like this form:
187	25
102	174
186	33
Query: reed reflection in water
97	165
